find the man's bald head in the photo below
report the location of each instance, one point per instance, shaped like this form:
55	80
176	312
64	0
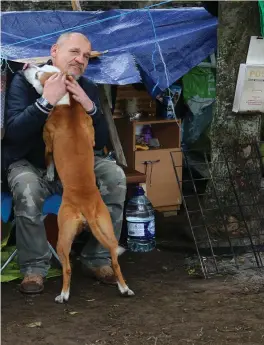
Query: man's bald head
68	35
71	53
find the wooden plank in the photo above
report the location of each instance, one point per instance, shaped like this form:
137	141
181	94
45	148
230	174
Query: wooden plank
153	120
76	6
172	209
126	134
43	59
112	128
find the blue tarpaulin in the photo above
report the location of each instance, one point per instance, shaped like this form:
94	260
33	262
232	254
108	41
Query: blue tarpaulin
186	36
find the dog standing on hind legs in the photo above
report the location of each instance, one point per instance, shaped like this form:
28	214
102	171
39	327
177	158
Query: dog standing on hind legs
69	138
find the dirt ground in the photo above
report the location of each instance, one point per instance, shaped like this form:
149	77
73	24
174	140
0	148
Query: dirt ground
170	307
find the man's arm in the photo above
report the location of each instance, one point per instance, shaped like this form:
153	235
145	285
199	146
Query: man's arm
23	119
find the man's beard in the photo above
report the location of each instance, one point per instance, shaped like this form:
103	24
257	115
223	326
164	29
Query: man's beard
75	76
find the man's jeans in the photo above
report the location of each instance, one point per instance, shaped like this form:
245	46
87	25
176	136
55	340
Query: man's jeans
30	188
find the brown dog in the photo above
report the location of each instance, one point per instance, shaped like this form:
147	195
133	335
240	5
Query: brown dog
69	139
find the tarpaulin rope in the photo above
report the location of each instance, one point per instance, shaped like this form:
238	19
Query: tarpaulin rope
154	51
89	24
186	36
157	45
157	52
4	58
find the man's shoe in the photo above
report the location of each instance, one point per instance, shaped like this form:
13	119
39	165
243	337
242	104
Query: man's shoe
32	284
104	274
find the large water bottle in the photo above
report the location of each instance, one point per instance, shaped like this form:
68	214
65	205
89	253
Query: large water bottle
140	223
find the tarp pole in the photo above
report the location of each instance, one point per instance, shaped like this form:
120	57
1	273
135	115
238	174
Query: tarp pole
121	159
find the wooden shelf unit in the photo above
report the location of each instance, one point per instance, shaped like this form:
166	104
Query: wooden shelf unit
162	186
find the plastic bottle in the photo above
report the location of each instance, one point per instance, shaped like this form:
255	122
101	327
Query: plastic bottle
140	217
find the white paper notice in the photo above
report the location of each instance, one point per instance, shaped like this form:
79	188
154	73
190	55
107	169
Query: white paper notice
256	51
249	96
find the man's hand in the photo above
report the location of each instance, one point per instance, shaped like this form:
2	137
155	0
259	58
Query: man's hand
79	94
55	88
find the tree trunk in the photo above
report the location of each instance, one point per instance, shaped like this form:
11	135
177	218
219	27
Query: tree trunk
238	21
233	191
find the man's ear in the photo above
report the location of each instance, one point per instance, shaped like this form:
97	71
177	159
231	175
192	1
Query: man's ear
53	50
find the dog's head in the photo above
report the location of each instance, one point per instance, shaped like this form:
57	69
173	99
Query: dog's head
37	76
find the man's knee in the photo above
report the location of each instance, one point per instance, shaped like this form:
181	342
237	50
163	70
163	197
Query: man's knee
110	172
27	199
28	193
116	174
115	177
111	179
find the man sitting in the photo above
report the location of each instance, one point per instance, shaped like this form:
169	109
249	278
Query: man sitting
24	163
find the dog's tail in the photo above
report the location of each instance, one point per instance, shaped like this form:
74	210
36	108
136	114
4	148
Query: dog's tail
120	250
102	228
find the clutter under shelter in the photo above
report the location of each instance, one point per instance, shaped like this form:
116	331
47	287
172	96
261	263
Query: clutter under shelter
150	73
156	77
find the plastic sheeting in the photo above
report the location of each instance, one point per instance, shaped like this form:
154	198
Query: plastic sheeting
186	37
199	93
261	13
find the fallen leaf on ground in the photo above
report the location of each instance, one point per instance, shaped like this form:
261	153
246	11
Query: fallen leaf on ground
34	324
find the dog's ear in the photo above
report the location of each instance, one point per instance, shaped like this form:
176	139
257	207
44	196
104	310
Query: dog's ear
29	65
30	72
45	76
26	65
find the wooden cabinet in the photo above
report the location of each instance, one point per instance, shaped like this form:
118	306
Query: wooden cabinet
162	185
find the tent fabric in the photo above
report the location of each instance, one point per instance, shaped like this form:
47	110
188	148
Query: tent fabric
186	36
261	12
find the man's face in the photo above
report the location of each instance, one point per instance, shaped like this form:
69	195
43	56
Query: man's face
72	55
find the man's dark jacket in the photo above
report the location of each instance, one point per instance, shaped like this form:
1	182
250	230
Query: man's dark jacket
25	122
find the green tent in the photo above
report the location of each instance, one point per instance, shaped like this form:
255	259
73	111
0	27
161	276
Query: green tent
261	11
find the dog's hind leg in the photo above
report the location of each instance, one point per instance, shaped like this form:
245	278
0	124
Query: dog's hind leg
70	223
102	229
122	286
